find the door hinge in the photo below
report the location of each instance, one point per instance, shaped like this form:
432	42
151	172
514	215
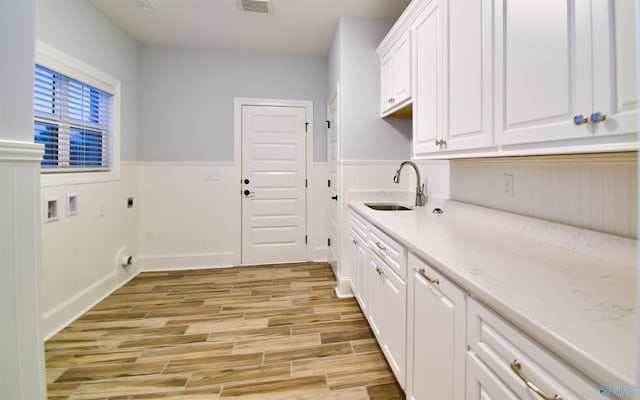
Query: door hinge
306	183
305	239
328	241
329	183
306	127
328	124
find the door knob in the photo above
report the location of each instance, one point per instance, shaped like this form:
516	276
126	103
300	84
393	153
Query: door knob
334	197
247	192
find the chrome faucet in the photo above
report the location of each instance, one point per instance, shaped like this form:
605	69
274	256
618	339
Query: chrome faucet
420	197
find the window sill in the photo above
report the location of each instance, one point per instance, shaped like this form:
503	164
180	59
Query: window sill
73	177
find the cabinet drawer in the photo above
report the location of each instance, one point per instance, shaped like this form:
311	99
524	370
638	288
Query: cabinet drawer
390	251
359	225
514	358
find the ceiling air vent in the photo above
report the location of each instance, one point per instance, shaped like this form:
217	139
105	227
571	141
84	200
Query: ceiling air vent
260	6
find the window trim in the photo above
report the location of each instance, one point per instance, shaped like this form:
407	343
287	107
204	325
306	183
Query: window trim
65	64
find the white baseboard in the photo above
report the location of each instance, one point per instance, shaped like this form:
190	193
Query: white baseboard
318	253
65	313
343	288
188	261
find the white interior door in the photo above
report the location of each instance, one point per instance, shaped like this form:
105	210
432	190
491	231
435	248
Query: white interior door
273	184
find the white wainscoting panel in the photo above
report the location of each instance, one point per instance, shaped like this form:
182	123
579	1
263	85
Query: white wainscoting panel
592	191
21	344
79	251
190	215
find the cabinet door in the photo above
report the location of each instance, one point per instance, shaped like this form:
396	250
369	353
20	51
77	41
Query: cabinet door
394	322
428	99
614	67
353	260
543	70
386	82
469	95
402	69
439	341
482	384
359	266
374	300
395	69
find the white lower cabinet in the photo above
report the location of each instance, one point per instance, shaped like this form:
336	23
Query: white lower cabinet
393	320
437	342
374	300
506	364
442	344
380	288
359	256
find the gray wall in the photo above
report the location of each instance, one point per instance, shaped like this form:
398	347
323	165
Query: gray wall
76	28
354	63
187	98
16	44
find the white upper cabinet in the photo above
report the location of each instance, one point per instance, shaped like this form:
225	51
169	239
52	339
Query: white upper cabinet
511	77
453	76
565	70
395	68
428	99
469	91
615	69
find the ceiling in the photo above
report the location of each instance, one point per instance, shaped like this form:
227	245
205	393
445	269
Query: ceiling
300	27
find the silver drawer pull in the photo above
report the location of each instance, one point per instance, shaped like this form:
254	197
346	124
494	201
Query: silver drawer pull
517	368
381	247
424	273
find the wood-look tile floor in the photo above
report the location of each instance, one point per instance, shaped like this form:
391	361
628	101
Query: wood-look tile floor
259	332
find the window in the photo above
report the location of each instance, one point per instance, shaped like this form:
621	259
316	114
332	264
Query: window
73	120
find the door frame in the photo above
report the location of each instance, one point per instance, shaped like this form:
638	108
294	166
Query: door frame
238	103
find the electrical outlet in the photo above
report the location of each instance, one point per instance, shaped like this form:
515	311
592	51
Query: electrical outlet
51	210
507	184
72	204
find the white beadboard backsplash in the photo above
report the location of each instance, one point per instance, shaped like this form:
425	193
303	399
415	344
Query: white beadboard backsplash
593	191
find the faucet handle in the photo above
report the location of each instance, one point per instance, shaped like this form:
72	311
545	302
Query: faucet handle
420	196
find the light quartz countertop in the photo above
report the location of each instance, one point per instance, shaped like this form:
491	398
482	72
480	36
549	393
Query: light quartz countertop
573	290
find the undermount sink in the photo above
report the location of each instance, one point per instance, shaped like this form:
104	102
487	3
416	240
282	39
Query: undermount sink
387	207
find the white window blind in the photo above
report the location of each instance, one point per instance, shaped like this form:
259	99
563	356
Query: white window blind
74	122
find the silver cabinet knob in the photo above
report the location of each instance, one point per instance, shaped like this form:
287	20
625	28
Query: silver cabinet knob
597	117
580	119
